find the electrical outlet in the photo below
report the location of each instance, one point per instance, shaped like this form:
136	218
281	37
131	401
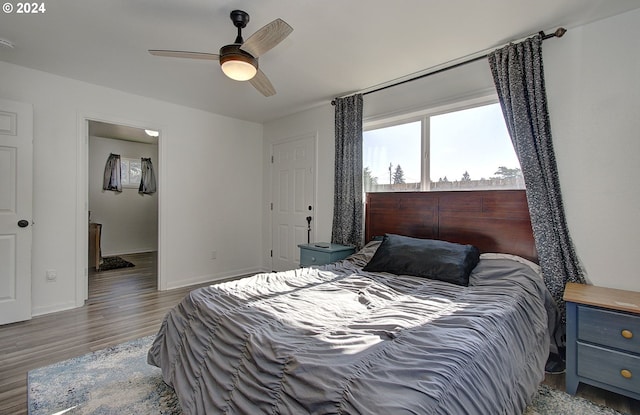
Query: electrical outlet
52	275
214	255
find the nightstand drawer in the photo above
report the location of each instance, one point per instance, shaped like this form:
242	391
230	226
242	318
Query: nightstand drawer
609	366
609	328
309	257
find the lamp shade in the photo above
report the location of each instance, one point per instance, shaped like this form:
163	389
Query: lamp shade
237	64
239	70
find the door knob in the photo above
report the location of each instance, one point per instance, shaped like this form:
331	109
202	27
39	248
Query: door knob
23	223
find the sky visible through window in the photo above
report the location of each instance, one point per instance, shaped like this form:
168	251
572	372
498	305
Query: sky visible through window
474	140
399	144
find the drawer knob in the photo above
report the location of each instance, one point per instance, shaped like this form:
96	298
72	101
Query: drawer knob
626	373
627	334
313	259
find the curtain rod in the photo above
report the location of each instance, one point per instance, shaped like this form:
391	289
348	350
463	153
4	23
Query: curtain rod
558	33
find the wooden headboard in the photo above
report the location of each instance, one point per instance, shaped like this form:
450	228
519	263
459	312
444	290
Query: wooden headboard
491	220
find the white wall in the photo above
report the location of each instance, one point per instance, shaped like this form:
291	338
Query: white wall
206	201
594	101
466	82
129	219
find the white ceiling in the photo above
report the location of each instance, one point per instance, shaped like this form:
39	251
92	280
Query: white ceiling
120	132
337	46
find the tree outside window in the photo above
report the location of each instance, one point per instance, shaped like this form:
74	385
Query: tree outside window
426	152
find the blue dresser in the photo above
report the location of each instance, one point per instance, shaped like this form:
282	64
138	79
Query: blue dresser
323	253
603	339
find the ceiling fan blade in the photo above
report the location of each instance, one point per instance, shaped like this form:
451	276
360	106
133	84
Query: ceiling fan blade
262	84
184	54
267	37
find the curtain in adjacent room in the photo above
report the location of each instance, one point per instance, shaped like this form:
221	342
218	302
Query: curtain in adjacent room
519	77
148	177
348	205
112	174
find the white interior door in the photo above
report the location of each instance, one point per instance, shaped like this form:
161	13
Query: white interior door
16	152
293	189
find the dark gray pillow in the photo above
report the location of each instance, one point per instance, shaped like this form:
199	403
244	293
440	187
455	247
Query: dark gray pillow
429	258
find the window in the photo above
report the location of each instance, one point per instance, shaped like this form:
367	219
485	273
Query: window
463	148
131	172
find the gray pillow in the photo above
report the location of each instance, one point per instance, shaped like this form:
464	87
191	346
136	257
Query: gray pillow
429	258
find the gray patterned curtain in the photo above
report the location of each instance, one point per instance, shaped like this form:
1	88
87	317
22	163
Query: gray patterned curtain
112	174
519	77
148	177
347	204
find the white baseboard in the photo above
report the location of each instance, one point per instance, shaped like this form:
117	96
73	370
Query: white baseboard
54	308
212	278
135	251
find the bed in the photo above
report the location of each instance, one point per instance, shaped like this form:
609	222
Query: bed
346	338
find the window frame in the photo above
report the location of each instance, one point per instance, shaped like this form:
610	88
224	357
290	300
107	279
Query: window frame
424	116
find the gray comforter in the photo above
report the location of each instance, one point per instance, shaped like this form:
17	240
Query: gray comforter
337	340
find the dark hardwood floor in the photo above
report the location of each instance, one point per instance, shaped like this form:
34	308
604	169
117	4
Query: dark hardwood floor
123	305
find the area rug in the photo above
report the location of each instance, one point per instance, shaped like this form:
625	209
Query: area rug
114	262
118	380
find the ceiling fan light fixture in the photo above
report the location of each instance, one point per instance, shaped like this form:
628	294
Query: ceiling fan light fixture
239	70
237	64
239	60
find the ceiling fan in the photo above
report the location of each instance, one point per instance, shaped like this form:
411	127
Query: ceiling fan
239	60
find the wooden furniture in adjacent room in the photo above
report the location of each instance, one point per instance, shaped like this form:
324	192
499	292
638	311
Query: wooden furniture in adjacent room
95	254
323	253
603	339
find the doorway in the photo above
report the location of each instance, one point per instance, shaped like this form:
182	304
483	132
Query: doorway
123	223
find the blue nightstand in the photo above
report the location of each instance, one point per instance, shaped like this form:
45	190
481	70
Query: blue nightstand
323	253
603	339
